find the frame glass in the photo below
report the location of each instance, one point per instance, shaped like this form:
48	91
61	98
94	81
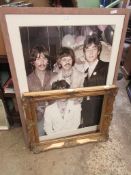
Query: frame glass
65	132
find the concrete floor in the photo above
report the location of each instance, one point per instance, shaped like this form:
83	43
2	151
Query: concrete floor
106	158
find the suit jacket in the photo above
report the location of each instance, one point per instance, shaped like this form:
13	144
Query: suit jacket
77	78
54	123
91	106
98	76
34	83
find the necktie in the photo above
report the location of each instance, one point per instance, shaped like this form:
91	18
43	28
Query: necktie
86	78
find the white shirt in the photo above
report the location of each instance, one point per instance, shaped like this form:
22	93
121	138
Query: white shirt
84	67
55	122
92	67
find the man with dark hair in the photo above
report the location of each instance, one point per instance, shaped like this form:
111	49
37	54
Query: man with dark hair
62	115
62	84
67	72
39	79
96	75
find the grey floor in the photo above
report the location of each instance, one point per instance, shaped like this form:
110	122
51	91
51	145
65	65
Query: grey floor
106	158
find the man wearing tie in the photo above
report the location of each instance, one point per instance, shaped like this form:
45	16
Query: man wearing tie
96	75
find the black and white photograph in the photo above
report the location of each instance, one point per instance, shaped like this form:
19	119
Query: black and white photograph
76	55
87	48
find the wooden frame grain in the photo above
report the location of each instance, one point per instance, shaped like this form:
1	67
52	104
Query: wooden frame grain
53	11
30	99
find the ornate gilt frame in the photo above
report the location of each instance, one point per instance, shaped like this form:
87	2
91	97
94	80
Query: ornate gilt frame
29	100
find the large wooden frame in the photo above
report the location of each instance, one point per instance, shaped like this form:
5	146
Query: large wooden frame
27	17
101	134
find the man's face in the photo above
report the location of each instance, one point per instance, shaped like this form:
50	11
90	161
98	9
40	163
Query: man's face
41	62
66	63
91	53
79	55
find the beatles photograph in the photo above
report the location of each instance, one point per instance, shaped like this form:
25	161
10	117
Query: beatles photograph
64	57
72	51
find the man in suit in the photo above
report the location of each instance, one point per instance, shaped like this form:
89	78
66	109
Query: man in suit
67	71
96	75
39	79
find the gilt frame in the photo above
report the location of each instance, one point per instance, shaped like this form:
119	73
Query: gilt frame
102	134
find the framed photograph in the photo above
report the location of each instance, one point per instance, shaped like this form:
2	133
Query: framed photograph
81	47
64	128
